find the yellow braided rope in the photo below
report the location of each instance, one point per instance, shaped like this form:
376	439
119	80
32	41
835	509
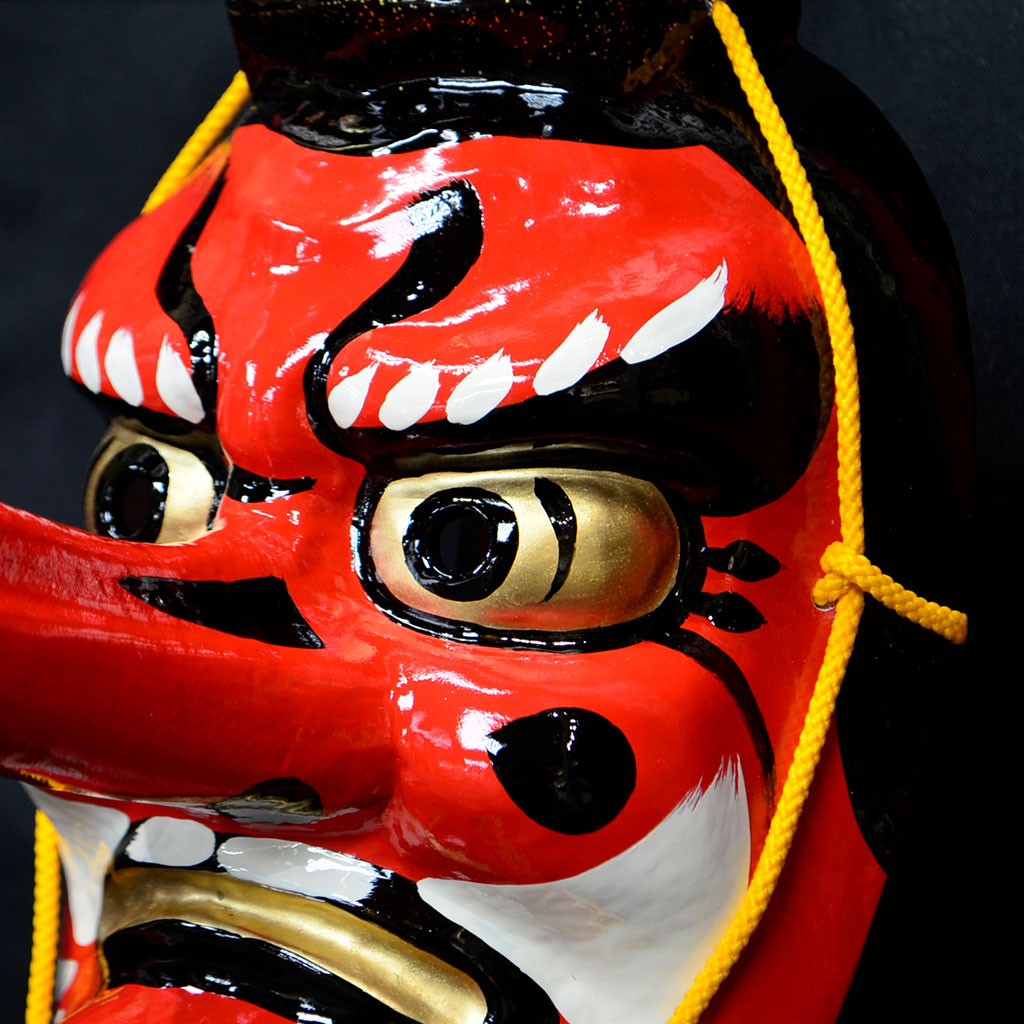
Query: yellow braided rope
203	139
842	561
45	925
845	569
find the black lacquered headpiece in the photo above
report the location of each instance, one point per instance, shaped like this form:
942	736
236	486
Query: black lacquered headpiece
606	47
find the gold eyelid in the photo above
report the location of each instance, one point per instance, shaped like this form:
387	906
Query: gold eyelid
624	562
191	493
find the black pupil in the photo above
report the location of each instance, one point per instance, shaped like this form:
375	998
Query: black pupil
457	541
461	543
131	495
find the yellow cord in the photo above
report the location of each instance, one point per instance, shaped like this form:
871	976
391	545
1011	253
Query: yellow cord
45	925
844	569
213	128
849	574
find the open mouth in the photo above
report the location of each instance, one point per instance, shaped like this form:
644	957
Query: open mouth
314	935
301	931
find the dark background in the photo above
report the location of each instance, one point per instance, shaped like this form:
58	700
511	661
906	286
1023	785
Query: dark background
96	97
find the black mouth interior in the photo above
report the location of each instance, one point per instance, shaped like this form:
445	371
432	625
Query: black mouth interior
176	953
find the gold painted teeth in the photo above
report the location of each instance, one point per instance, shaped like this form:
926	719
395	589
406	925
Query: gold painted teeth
409	980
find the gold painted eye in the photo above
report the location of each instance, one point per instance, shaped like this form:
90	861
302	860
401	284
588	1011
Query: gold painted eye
155	488
553	549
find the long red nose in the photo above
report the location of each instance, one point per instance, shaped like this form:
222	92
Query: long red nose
147	671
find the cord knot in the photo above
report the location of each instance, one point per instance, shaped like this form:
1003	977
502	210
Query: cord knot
844	569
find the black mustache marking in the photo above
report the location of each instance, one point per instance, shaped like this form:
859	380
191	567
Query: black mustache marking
259	609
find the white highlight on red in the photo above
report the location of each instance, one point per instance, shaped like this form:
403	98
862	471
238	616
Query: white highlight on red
625	940
87	837
411	398
680	320
346	400
173	842
66	973
67	336
296	867
87	354
574	357
122	370
481	390
174	385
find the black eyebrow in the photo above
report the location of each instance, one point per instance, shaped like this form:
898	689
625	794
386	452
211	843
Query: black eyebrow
180	300
439	259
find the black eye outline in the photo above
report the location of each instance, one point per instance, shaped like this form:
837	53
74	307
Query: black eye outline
153	457
426	551
117	490
676	607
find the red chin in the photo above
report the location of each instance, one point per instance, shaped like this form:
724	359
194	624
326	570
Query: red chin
133	1004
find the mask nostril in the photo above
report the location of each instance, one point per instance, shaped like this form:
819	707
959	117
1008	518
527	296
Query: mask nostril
568	769
274	802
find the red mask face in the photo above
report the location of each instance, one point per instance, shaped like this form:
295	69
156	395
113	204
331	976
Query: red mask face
461	514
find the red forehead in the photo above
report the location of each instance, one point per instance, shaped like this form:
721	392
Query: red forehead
572	234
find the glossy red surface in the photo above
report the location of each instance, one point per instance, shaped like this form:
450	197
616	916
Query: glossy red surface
110	697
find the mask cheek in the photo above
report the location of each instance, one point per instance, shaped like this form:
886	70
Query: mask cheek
546	768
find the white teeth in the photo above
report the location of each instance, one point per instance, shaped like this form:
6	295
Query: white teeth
87	837
174	385
411	398
87	356
680	320
481	390
625	940
346	400
67	337
122	370
296	867
574	357
173	842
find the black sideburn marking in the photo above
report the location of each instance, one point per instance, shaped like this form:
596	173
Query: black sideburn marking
559	510
438	260
260	609
729	674
729	611
177	295
745	560
252	488
568	769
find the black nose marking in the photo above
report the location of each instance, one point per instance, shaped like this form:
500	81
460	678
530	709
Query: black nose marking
568	769
260	609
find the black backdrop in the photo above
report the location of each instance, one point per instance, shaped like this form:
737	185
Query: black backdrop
96	97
